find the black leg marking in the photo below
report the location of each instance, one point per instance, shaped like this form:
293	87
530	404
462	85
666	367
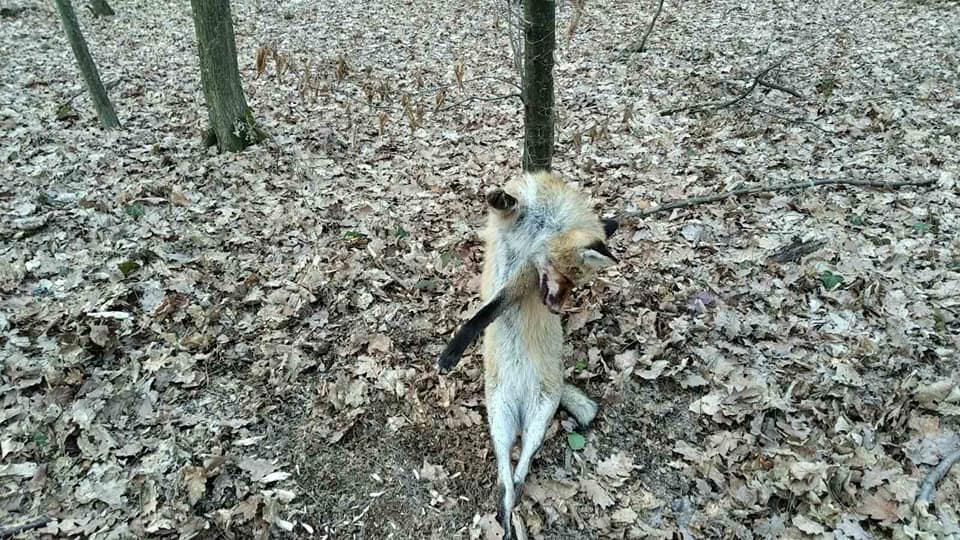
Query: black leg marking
469	332
504	513
501	200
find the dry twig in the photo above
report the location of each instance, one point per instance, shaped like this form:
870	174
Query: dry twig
714	105
643	41
693	201
929	484
478	98
794	120
782	88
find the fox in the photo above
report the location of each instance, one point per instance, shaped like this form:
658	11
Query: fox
542	239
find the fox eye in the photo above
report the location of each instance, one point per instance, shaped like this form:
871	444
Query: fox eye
610	226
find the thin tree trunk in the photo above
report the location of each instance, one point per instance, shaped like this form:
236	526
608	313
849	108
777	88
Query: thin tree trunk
232	127
101	8
540	40
98	94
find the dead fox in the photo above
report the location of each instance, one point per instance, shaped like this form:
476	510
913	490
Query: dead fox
542	238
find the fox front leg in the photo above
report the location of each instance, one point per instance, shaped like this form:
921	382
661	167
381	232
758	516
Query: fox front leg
470	331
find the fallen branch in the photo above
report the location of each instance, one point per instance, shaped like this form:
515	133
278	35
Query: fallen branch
11	530
759	78
693	201
794	120
715	105
780	87
477	98
929	484
643	42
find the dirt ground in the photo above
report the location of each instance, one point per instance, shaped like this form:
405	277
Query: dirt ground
235	346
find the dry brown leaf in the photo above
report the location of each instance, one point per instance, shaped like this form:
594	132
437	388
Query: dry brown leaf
807	525
595	492
195	480
879	508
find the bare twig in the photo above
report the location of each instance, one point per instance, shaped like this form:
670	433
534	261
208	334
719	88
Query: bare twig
643	41
714	105
780	87
478	98
693	201
929	484
11	530
794	120
514	11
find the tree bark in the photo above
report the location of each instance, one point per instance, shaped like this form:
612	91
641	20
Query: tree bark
539	28
232	127
101	8
101	102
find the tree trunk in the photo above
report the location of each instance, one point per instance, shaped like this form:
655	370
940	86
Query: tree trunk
101	8
232	127
540	40
101	102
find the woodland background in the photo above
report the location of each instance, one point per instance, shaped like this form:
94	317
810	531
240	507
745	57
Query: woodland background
225	345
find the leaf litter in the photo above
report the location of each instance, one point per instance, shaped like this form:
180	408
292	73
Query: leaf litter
242	345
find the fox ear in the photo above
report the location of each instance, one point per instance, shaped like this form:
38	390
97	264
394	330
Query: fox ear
610	226
597	255
501	201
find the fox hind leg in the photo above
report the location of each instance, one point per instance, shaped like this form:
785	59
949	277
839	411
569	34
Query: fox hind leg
503	432
534	429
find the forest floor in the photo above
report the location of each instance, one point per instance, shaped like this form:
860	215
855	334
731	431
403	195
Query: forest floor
242	345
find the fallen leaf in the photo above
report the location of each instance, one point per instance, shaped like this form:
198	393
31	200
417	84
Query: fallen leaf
595	492
195	479
879	508
807	525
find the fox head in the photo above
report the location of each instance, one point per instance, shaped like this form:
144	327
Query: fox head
546	223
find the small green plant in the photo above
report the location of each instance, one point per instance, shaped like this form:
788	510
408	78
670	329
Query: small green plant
135	210
128	267
576	441
826	86
830	280
40	439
